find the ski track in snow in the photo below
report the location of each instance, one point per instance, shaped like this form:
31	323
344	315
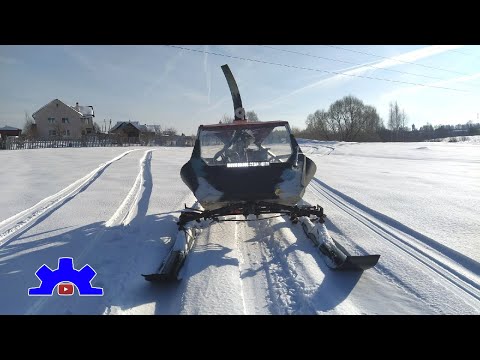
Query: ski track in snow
20	222
129	208
125	220
316	148
456	272
287	295
148	244
241	266
299	279
262	267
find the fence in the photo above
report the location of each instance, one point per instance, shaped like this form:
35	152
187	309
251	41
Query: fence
14	143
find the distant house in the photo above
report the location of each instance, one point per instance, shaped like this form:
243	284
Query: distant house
130	129
59	120
150	134
9	131
183	140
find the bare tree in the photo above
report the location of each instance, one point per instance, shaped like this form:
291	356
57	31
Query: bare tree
318	125
226	119
347	119
157	129
251	116
170	131
296	131
29	128
393	117
397	119
372	125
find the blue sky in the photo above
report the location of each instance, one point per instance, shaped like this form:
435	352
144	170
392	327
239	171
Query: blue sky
180	88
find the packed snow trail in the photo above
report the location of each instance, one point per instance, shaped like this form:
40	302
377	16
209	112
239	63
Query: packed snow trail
415	262
66	228
138	240
258	267
432	188
147	239
445	261
23	220
270	267
31	175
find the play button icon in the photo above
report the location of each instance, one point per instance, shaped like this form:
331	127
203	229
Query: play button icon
65	289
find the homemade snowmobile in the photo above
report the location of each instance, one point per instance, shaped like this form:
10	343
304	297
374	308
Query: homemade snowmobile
250	168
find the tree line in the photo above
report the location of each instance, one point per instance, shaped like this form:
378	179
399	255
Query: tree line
249	115
349	119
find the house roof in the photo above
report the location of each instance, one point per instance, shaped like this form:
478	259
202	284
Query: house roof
9	128
136	124
83	110
141	128
117	125
153	128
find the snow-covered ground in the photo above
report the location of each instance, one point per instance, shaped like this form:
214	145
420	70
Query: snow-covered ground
115	209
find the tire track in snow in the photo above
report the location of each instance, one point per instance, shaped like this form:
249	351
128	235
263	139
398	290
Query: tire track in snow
22	221
135	204
404	242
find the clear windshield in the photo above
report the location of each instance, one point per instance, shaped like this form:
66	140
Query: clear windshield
255	146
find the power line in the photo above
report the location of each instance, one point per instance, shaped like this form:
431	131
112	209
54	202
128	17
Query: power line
460	52
311	69
352	63
464	53
402	61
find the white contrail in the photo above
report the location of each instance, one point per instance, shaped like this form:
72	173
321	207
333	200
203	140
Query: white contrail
360	69
167	69
207	73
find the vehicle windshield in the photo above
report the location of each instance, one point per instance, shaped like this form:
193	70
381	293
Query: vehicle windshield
257	146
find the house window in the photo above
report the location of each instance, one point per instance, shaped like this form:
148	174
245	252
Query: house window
51	120
65	121
83	132
66	132
52	132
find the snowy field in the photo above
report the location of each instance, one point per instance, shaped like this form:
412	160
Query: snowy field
415	204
